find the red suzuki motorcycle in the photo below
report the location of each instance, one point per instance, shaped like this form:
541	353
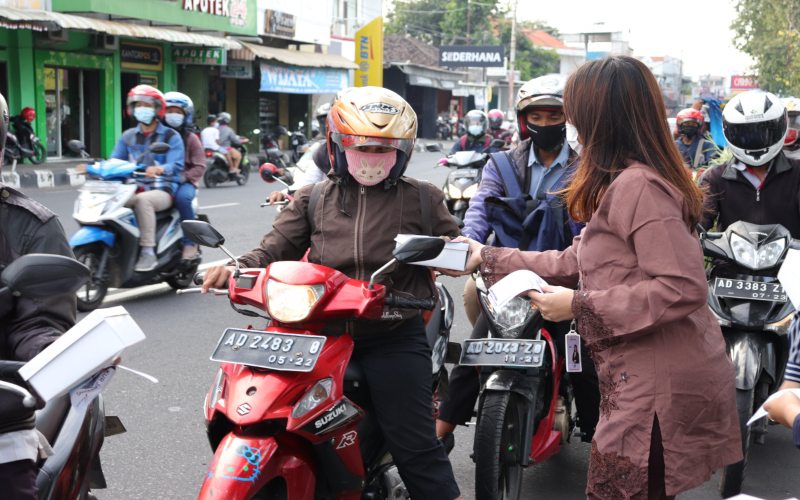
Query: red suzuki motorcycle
288	415
524	410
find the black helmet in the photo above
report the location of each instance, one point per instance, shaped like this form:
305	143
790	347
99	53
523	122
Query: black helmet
211	119
3	126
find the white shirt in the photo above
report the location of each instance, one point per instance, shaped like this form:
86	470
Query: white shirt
210	138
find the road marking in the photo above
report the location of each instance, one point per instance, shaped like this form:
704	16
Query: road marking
221	205
125	294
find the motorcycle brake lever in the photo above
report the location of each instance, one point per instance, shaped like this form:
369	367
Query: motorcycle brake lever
215	291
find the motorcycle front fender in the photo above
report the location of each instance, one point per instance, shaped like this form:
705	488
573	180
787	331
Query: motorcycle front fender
91	234
243	466
509	381
747	353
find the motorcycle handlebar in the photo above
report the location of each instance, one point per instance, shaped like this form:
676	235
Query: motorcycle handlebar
794	244
404	303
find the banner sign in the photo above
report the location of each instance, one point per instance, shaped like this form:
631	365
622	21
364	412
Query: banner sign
200	56
302	80
455	56
237	69
742	82
140	56
369	54
279	23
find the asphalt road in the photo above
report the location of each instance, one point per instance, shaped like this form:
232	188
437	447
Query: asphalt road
164	453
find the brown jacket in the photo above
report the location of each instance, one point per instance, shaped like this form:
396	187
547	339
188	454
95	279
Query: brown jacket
659	352
354	231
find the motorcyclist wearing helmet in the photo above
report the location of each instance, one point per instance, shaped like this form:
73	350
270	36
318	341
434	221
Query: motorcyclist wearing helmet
23	127
476	139
26	326
759	184
542	163
496	130
163	173
370	135
791	145
179	115
228	140
696	151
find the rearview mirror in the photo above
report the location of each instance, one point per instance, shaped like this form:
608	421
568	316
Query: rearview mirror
76	146
159	148
418	249
268	172
498	143
202	233
43	275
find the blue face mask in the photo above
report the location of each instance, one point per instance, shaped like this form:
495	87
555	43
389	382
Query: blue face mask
475	130
144	115
174	120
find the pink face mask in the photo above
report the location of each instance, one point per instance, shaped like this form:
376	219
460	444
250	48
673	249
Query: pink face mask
369	169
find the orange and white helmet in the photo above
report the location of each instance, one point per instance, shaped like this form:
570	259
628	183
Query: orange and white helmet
370	116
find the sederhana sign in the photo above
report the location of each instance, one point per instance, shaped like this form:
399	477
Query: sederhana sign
467	56
302	80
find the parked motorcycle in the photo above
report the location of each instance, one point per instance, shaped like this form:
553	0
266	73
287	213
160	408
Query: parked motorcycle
444	131
463	180
298	142
271	147
75	433
287	414
108	239
752	308
524	410
23	144
218	168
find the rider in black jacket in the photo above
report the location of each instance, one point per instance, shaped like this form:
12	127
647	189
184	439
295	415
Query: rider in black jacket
26	326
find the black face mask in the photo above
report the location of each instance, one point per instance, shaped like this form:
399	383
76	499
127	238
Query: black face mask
548	137
688	130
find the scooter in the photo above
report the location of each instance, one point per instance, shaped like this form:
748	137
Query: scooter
23	144
444	130
287	415
76	434
753	310
218	168
108	239
524	410
271	147
463	180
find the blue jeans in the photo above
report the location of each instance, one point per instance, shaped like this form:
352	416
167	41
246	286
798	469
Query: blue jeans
183	202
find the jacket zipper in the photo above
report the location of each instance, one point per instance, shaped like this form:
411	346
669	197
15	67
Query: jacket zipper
360	233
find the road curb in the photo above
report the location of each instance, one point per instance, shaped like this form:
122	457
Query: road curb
42	178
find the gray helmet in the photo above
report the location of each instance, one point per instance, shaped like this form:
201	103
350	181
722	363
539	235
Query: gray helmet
224	118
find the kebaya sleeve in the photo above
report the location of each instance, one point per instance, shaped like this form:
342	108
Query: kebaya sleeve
558	268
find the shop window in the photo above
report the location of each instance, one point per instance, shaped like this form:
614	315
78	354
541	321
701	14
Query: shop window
72	105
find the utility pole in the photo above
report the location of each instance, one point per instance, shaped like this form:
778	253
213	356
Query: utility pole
512	58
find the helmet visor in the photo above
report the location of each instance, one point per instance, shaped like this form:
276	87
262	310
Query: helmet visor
756	136
350	142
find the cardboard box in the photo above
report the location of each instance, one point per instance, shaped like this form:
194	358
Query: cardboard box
453	256
92	343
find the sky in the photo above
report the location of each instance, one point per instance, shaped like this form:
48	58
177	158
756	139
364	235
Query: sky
696	31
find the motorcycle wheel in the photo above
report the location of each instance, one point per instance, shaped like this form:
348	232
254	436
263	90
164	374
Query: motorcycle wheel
182	280
39	153
498	474
208	178
244	174
91	295
732	477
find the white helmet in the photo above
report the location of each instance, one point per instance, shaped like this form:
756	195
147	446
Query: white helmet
755	125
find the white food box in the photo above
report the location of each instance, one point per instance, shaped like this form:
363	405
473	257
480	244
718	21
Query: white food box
92	343
453	256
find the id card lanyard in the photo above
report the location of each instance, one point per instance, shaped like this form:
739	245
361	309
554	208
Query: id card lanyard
572	350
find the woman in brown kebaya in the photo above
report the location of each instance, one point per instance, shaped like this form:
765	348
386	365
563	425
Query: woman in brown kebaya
637	288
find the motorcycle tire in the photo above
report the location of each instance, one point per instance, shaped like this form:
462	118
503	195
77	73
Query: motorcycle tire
209	180
732	477
274	490
244	175
91	295
498	474
182	280
39	153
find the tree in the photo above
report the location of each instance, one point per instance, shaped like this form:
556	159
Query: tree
769	31
531	61
444	22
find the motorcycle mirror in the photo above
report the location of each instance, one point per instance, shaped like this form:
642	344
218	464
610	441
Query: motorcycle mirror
202	233
44	275
268	172
76	146
256	131
300	125
498	143
159	148
418	249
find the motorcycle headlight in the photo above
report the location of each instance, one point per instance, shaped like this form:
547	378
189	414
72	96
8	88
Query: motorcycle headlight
470	191
311	399
510	317
743	251
90	206
769	254
748	255
453	191
292	303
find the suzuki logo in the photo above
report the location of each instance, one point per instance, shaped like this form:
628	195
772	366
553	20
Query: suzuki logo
243	409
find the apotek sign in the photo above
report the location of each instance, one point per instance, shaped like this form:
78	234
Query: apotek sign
200	56
455	56
235	10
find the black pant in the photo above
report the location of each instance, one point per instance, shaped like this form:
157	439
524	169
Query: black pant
465	383
397	366
19	480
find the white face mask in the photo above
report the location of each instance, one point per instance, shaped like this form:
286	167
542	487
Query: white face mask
475	130
174	120
572	138
144	114
369	169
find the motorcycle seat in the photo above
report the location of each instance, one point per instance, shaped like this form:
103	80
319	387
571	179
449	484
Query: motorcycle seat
50	418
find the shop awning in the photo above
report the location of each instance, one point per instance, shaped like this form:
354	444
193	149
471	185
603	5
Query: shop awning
41	20
425	76
252	51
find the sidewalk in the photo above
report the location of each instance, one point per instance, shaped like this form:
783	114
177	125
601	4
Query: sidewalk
49	174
